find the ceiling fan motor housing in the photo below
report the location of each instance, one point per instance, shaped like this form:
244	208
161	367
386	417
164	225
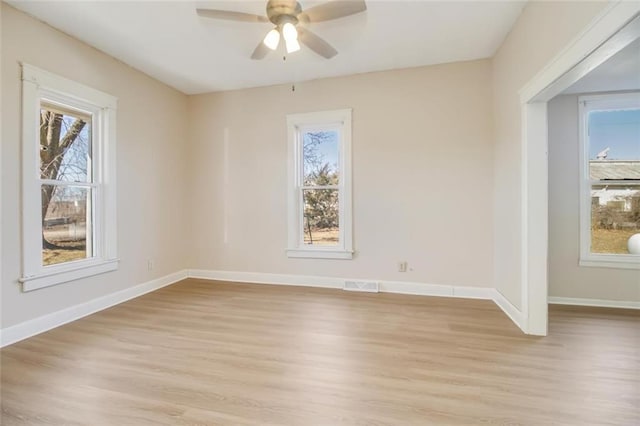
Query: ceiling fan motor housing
277	9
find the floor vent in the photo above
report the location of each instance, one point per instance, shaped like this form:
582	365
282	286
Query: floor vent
368	286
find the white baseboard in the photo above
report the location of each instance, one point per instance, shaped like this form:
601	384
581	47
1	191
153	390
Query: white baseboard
418	289
512	312
485	293
44	323
266	278
402	287
594	302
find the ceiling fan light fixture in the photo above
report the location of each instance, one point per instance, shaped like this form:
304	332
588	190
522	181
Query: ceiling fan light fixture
289	32
272	39
292	45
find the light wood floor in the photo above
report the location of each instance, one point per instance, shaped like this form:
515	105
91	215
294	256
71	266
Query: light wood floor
204	353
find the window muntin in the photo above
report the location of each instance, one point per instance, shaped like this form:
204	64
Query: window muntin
69	211
610	184
319	185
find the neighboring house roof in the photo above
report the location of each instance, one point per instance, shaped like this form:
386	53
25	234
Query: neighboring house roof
615	169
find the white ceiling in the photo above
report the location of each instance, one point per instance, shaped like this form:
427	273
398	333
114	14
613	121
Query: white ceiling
168	41
620	72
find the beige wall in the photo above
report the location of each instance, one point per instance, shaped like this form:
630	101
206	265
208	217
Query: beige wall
422	175
541	32
152	145
566	278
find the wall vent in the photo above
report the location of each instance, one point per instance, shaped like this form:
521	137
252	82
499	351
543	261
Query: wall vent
368	286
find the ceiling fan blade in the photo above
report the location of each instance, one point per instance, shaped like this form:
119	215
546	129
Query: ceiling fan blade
229	15
316	43
260	52
333	10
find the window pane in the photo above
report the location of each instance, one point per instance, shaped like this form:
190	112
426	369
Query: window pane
320	157
65	145
67	227
320	216
615	216
614	144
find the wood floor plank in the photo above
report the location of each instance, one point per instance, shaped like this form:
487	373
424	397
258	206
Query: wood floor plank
214	353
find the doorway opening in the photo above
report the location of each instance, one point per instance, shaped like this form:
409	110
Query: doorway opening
617	28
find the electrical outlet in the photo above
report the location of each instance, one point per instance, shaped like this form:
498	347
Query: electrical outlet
402	266
150	264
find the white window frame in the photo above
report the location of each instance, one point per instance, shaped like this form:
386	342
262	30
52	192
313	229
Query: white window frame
337	120
587	104
38	86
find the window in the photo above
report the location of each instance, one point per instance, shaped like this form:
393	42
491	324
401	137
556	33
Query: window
69	210
610	179
320	185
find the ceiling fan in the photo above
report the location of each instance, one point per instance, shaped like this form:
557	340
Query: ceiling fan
288	17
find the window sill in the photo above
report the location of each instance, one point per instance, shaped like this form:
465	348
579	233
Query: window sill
616	261
320	253
59	276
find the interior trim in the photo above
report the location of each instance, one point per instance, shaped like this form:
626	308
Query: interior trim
29	328
601	303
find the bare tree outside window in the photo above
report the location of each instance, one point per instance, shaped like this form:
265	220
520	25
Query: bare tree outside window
65	169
